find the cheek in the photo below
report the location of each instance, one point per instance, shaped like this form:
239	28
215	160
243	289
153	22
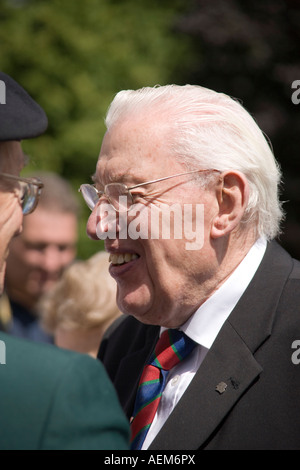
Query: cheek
67	256
2	273
10	212
174	270
18	220
14	225
92	225
30	258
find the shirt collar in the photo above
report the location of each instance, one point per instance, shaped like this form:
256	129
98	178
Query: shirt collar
204	325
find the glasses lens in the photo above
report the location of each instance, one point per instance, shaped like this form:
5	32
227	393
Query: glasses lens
89	194
27	197
119	196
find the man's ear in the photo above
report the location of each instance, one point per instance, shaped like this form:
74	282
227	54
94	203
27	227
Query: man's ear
232	194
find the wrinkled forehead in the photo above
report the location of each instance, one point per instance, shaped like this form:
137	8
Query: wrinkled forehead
135	148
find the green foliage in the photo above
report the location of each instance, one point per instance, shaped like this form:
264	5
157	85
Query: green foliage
73	57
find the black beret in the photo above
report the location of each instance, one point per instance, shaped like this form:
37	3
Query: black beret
20	116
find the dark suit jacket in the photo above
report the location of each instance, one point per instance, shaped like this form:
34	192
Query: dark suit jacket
56	399
252	354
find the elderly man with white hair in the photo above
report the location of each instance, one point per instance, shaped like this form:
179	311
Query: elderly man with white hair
203	358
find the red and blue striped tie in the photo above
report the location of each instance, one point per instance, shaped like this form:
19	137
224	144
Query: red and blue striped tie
172	347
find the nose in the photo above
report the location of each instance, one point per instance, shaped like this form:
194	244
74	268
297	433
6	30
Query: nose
92	225
52	259
103	222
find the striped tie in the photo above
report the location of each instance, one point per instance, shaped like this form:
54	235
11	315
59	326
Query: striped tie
172	347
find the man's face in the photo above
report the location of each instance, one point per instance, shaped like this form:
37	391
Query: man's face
39	255
166	282
11	162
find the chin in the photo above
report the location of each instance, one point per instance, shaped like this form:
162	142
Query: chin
134	305
140	312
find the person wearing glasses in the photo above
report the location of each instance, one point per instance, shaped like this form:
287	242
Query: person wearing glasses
203	357
38	256
50	399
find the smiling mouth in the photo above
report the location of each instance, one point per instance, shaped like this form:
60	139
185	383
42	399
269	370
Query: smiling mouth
122	258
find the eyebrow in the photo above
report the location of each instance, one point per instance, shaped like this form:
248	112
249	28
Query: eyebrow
116	179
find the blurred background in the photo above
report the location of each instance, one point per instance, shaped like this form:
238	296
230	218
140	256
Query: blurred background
73	57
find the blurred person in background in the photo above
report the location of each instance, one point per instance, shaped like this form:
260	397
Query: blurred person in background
50	399
38	257
81	306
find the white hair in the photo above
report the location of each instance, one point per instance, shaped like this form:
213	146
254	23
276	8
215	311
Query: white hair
210	130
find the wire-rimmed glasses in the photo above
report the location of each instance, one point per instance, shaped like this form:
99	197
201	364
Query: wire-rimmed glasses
118	194
30	190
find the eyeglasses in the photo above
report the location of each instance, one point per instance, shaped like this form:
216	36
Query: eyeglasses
118	194
30	190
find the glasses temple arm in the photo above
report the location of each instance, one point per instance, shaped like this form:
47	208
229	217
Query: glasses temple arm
169	177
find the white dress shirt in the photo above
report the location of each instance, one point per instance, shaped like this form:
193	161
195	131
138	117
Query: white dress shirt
203	327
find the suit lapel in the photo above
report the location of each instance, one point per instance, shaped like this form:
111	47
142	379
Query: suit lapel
202	400
230	360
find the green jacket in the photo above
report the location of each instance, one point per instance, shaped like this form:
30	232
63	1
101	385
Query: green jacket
56	399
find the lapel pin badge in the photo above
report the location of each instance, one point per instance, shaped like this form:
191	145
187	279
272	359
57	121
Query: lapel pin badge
221	387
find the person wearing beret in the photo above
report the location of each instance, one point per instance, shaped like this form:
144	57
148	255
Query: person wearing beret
186	198
49	398
38	257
